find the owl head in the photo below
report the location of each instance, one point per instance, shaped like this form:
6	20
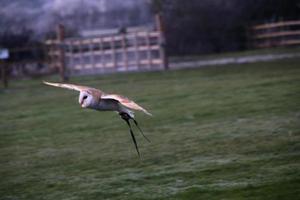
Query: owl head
86	99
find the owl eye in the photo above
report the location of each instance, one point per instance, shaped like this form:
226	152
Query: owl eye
85	97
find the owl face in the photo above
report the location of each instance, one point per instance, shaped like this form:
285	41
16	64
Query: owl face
86	100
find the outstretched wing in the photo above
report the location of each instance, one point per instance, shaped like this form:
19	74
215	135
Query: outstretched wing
125	102
69	86
93	91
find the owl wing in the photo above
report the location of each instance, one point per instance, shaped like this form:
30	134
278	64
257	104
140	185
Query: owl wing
79	88
125	102
68	86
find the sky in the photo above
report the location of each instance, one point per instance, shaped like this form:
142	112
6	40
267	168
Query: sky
42	15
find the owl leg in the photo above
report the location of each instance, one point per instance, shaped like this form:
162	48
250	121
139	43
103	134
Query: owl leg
126	118
137	125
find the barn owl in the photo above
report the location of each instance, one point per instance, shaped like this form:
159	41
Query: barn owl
96	99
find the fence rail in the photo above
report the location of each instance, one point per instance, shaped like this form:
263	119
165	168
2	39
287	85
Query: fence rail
139	50
283	33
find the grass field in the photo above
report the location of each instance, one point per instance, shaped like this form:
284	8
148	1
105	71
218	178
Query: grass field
261	52
217	133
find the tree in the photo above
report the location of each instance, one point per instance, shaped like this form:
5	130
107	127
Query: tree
208	26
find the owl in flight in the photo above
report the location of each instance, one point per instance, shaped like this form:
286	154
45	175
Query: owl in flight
96	99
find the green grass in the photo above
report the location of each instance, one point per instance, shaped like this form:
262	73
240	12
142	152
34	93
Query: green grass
255	52
217	133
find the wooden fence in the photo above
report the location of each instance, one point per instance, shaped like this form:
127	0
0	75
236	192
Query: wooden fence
132	51
283	33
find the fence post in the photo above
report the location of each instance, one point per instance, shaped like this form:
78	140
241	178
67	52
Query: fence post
71	50
60	39
137	50
149	55
4	74
102	53
113	52
124	50
161	29
92	53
